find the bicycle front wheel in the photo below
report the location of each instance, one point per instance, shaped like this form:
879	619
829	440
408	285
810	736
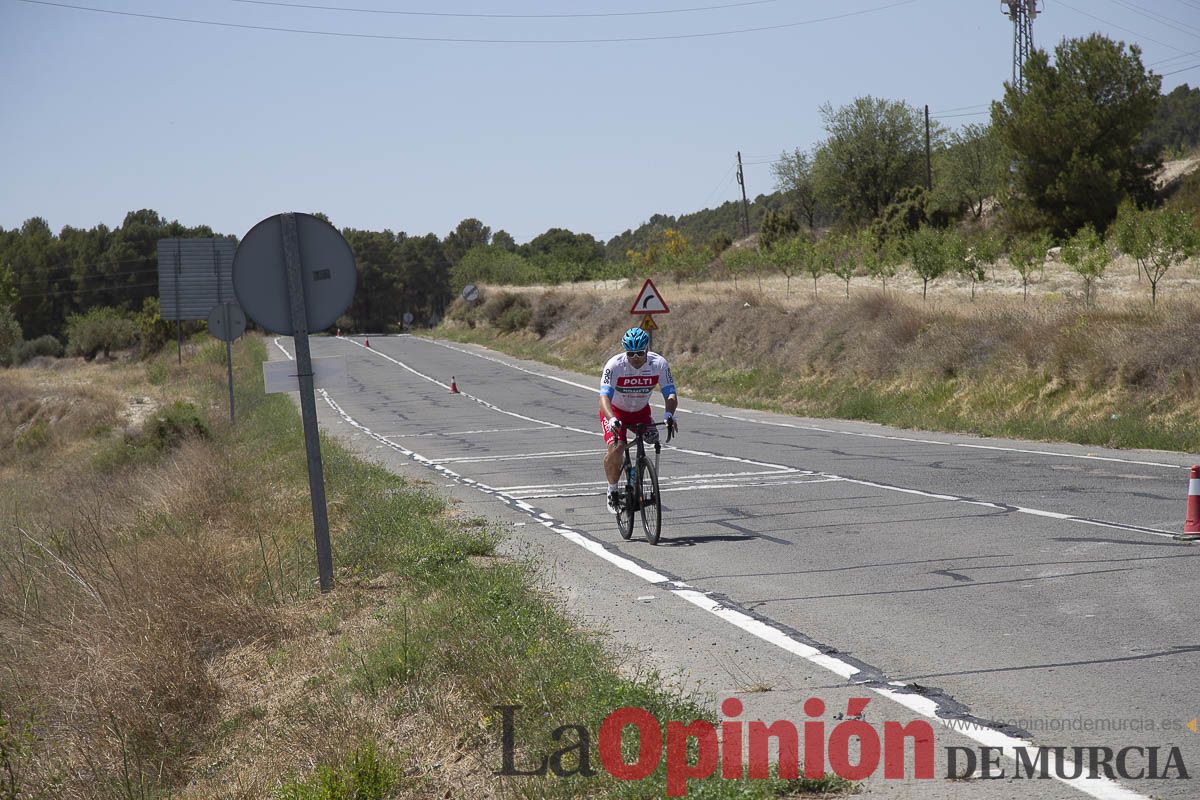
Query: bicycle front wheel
651	503
625	511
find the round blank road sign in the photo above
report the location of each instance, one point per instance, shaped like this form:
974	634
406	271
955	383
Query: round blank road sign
226	321
326	266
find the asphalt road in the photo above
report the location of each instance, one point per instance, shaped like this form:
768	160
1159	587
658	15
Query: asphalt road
1012	593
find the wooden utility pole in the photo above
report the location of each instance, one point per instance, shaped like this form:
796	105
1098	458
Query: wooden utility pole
745	204
928	154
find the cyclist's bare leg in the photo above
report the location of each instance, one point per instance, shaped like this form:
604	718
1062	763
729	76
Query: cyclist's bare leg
612	462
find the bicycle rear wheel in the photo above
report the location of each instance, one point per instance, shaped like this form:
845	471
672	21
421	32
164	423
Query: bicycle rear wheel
651	503
626	506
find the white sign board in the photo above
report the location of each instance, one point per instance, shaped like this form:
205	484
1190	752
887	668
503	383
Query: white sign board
328	373
649	301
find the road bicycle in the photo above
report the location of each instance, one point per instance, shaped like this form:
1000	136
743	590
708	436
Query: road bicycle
639	492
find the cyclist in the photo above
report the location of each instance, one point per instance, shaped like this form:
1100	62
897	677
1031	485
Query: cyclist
625	388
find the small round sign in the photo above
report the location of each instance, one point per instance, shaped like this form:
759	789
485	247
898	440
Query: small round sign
227	321
408	318
326	268
470	293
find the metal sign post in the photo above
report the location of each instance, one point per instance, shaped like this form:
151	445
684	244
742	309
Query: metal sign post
227	322
308	404
293	273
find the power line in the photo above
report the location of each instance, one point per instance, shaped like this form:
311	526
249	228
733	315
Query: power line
1118	27
447	39
503	16
1161	19
962	108
86	278
88	291
1183	69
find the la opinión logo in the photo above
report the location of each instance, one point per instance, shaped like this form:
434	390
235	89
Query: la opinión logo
674	740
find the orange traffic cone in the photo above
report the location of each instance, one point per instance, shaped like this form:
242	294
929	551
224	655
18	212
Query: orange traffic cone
1191	526
366	342
453	386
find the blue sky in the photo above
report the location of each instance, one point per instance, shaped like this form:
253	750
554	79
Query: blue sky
212	124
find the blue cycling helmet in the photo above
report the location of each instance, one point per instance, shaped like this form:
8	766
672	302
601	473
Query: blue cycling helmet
635	339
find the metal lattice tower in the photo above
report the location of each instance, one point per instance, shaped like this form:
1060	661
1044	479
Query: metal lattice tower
1022	13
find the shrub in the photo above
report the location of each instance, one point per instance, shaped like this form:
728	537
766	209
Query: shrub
174	423
153	331
42	346
10	334
99	330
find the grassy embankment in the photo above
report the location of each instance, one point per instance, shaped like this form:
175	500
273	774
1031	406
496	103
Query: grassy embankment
1126	376
161	635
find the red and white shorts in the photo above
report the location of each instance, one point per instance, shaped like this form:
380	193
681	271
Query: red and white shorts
627	418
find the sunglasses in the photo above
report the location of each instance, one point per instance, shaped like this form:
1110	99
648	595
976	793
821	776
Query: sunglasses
635	353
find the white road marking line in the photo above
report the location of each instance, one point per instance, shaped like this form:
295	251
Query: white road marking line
883	486
546	423
669	490
1100	788
464	433
818	428
519	457
673	479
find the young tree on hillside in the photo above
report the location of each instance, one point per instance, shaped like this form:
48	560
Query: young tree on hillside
818	261
1157	240
881	256
794	176
982	251
875	148
1088	256
843	257
1073	132
740	261
927	251
789	257
1027	254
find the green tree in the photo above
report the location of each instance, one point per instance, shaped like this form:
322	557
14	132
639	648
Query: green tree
875	148
795	178
881	257
842	257
1087	255
1176	125
740	261
972	168
491	264
1026	254
1157	240
789	257
818	261
470	233
560	244
982	251
10	334
504	240
928	252
1073	133
777	225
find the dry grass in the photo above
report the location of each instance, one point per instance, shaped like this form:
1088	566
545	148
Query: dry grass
1122	374
1122	287
116	590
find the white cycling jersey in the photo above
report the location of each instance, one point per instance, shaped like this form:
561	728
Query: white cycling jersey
629	388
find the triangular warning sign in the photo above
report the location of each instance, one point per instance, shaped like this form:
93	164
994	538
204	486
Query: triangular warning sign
649	301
